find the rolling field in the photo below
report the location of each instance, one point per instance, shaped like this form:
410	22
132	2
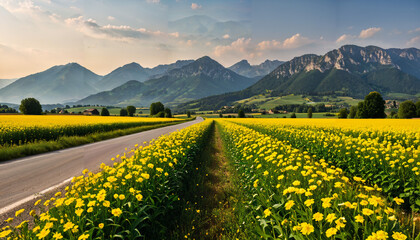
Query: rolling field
20	131
273	178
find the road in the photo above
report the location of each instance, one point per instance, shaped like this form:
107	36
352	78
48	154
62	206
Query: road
21	179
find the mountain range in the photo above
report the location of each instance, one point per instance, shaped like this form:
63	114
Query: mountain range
350	70
201	78
72	82
245	69
5	82
347	71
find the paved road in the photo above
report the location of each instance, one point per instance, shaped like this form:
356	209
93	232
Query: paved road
22	178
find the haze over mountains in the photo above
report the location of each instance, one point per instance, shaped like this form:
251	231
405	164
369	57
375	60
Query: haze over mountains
5	82
350	70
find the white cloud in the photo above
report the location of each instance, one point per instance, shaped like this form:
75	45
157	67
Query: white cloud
111	18
293	42
195	6
344	38
153	1
413	41
368	33
241	45
90	28
415	30
226	36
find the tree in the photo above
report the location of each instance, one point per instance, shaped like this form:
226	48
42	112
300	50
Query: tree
123	112
30	106
160	114
220	115
241	113
156	107
407	109
310	112
188	114
343	113
131	110
353	111
168	113
393	114
104	112
293	115
372	107
418	108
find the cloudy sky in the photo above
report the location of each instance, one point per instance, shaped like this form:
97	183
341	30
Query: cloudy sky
105	34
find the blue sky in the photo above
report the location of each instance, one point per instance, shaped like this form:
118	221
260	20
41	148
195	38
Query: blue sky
105	34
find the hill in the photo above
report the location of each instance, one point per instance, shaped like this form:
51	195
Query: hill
203	77
245	69
57	84
5	82
348	71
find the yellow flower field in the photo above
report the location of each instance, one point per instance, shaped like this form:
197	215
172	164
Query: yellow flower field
20	129
296	194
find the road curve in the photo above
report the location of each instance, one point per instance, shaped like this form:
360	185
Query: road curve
24	177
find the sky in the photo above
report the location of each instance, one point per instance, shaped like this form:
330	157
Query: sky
102	35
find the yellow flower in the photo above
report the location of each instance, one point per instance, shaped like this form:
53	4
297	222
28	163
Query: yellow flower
139	197
331	232
318	216
267	212
101	225
44	232
398	200
116	212
341	222
289	204
106	203
309	202
90	210
326	202
57	236
330	217
265	173
5	233
37	202
18	212
296	183
68	225
79	211
367	211
399	236
306	228
9	220
359	218
83	236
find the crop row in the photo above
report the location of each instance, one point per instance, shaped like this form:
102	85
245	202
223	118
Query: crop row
135	198
391	166
29	129
292	195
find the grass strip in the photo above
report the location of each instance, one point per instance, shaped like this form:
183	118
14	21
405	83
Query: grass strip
72	141
211	197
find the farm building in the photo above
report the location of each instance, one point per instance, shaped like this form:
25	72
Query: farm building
91	111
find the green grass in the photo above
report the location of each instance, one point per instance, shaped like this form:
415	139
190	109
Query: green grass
266	102
72	141
211	197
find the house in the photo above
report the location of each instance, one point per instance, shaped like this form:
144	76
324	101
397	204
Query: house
91	111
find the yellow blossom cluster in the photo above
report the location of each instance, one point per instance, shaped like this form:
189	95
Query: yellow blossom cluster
306	197
126	200
385	157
